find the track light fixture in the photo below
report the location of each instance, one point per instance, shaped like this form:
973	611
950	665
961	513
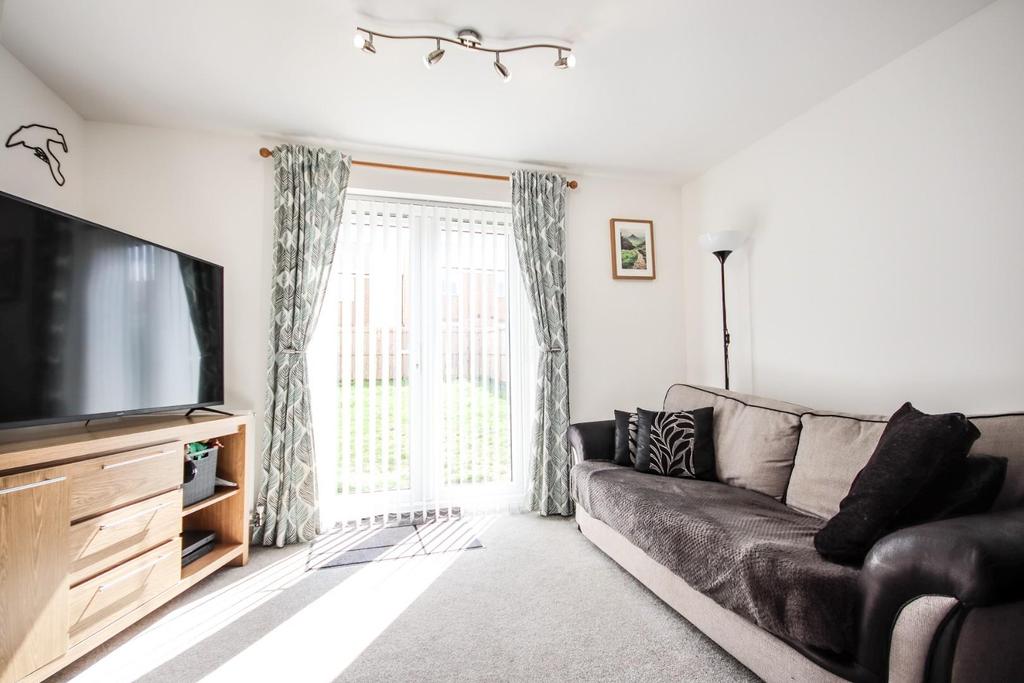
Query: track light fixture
467	39
434	56
502	70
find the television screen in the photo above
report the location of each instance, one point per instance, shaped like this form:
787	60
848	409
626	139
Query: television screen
94	322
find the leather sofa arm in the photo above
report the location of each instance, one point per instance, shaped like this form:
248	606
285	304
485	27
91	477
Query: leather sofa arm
592	440
977	559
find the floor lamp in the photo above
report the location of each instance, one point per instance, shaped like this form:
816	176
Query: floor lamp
721	244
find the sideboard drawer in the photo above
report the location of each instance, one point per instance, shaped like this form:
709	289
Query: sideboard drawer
103	599
103	484
103	542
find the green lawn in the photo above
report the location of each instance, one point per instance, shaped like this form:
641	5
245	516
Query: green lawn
474	431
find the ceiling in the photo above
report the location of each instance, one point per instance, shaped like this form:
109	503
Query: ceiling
664	88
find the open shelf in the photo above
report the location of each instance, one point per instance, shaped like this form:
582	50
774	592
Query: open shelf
221	554
219	494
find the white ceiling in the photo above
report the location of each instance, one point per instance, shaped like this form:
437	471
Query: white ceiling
666	88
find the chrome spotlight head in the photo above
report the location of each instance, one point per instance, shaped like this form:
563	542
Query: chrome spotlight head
434	56
364	41
502	70
565	62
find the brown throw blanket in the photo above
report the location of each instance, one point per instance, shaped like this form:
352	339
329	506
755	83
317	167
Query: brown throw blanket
745	550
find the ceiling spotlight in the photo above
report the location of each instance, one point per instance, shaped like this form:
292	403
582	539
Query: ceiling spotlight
364	42
566	62
501	68
434	56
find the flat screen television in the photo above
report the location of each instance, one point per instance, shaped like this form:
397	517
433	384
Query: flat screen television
97	323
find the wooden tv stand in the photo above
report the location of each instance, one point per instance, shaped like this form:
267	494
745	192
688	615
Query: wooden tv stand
90	530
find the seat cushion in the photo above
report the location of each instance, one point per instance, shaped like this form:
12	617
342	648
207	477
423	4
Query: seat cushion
755	438
745	550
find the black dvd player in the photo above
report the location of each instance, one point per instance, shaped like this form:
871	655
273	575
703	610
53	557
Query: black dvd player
195	544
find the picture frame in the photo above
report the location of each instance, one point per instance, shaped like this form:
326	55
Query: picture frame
632	247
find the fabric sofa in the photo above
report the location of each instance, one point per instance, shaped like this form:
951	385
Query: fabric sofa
935	602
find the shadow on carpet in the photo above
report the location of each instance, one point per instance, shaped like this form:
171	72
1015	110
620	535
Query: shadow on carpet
343	547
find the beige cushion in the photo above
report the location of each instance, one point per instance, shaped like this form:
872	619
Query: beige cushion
832	450
755	438
1003	435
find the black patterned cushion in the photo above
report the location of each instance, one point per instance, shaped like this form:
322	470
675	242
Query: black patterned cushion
678	444
625	438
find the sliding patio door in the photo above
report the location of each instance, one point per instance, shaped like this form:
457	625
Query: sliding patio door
418	349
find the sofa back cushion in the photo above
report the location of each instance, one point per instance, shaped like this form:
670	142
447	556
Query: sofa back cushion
1003	435
835	447
832	450
755	438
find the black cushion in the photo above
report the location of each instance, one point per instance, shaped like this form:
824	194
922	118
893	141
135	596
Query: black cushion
971	489
914	452
625	438
678	444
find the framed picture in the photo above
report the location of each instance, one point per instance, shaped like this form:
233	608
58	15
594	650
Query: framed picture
632	249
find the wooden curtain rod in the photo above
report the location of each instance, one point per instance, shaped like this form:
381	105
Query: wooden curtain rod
572	184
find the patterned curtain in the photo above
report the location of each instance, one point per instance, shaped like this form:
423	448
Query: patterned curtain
538	223
309	191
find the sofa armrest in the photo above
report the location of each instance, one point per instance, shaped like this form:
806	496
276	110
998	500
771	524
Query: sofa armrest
977	559
592	440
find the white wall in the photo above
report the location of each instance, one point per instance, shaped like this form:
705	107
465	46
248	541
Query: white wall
24	99
210	194
625	338
887	224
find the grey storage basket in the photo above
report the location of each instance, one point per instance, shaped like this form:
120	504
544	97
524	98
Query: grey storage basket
202	486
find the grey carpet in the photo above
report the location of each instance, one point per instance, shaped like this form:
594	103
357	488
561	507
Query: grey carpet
540	604
354	546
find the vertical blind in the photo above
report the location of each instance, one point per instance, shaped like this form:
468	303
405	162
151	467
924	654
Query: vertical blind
425	396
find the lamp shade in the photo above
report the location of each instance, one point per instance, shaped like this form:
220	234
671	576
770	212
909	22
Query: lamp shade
723	240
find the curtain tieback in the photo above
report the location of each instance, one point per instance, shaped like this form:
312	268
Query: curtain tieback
553	349
291	352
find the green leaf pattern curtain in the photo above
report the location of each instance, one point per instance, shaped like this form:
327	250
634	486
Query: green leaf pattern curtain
309	192
538	224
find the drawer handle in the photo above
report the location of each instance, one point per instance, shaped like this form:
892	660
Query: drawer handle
129	518
33	485
115	465
137	570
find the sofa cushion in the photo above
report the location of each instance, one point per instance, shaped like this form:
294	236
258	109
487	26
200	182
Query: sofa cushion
915	451
834	447
832	450
1003	436
677	444
755	438
746	551
970	490
625	437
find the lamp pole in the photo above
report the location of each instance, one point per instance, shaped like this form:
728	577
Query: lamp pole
721	244
721	256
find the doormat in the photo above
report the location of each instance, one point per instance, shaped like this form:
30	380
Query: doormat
343	547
